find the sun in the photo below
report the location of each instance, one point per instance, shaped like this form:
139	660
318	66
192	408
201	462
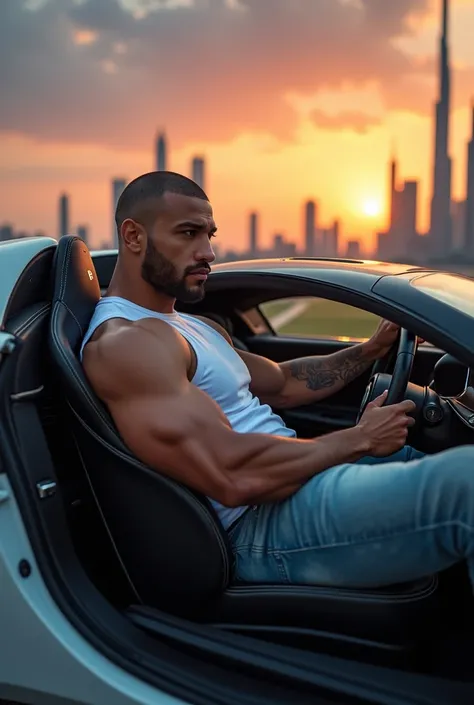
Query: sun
371	207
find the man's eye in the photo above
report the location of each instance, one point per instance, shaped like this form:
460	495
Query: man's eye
190	233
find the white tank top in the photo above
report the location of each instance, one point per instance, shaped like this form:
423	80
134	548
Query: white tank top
220	372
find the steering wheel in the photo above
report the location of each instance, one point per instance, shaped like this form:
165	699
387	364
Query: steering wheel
396	383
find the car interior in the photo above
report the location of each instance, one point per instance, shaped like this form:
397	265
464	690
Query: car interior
153	546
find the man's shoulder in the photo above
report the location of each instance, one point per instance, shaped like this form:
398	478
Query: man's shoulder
117	335
132	353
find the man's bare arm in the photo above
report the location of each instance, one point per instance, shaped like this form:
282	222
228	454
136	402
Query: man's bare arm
311	379
172	426
307	379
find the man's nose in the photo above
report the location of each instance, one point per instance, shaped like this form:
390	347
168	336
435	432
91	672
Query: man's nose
205	252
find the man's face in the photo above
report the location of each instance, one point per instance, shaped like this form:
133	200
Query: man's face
178	251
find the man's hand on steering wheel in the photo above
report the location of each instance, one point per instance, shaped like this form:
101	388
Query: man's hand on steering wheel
385	428
383	339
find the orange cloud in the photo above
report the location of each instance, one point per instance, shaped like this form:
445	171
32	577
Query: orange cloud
349	119
108	71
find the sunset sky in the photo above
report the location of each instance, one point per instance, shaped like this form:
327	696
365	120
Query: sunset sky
287	99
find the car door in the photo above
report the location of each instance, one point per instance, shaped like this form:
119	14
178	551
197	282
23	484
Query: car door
305	326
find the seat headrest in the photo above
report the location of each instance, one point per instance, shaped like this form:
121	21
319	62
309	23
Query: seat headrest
76	285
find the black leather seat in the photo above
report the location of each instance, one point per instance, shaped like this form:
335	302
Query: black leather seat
171	546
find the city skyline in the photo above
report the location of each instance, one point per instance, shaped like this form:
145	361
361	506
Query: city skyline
330	160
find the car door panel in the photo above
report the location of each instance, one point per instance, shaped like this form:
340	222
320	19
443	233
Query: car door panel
340	410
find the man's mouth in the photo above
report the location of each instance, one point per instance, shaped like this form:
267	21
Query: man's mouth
201	273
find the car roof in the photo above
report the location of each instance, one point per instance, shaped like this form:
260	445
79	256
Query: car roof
312	266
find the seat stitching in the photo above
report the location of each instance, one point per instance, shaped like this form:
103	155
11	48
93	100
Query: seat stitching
31	319
63	354
109	533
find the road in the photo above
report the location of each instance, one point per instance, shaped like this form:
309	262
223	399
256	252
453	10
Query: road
294	310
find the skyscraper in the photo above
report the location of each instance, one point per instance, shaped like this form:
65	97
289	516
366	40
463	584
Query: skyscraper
353	249
83	233
63	214
469	209
401	235
440	225
408	203
336	228
197	171
253	234
118	186
458	229
310	228
161	152
393	195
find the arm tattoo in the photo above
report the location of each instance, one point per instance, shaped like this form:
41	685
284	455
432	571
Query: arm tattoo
328	371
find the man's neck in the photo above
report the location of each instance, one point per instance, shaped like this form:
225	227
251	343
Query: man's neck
140	293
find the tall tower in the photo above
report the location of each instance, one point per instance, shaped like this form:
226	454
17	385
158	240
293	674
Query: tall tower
161	152
118	185
440	225
469	227
83	233
63	215
393	192
253	234
198	170
310	228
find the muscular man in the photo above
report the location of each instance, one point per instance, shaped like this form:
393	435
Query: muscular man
352	508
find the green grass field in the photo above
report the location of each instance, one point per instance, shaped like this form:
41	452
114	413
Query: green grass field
324	319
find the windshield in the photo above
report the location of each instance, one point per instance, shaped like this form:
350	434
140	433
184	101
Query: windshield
457	292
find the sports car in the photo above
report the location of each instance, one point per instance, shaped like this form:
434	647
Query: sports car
117	583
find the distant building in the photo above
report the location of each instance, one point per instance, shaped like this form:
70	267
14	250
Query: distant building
469	208
440	224
281	247
335	233
6	232
458	220
398	241
63	215
253	235
198	171
310	224
161	152
408	205
393	193
353	249
118	185
83	233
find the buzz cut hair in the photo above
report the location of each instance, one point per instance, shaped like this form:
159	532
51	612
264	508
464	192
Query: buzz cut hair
139	199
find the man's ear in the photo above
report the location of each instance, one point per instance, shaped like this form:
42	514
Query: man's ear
132	235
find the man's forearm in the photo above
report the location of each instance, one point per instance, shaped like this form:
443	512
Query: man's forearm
310	379
264	470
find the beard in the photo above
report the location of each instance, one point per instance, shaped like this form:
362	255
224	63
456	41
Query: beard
160	273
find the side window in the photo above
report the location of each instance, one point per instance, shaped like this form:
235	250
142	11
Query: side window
318	318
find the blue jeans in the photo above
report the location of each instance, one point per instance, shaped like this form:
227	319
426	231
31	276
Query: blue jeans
356	525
